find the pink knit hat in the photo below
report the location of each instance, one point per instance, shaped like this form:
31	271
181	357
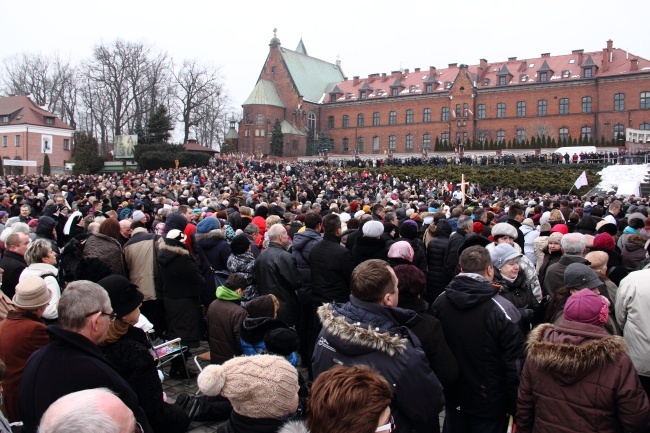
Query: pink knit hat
586	307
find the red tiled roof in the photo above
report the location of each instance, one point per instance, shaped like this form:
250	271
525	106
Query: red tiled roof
196	147
523	71
23	111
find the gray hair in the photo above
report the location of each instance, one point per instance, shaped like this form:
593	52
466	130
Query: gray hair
37	251
464	222
573	244
93	227
82	411
20	228
276	231
251	229
79	299
390	216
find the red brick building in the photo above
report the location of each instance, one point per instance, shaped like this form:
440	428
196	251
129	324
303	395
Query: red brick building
28	133
583	94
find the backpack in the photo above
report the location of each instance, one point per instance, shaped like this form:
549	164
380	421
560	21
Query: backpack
70	258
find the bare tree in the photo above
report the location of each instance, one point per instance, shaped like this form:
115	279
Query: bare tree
210	121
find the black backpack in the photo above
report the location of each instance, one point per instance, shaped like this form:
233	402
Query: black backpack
70	258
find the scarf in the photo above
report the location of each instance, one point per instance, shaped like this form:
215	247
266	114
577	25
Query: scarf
225	294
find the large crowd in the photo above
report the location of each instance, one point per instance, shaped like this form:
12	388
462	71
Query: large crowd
330	299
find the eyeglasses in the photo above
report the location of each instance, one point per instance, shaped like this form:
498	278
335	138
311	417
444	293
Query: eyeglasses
138	428
387	427
111	316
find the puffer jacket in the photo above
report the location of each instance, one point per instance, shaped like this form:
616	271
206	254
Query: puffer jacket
108	250
142	263
578	378
369	248
530	234
244	264
300	250
437	277
632	308
360	332
224	319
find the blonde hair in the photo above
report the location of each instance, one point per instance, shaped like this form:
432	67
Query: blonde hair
272	220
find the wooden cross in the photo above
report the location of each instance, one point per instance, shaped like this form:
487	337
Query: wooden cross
462	185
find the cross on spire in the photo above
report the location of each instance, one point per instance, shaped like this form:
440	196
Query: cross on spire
275	31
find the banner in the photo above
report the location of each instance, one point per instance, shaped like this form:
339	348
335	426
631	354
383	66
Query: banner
46	144
581	181
124	146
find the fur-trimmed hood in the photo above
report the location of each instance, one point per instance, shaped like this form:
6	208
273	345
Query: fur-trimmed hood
213	235
168	249
294	427
571	350
363	326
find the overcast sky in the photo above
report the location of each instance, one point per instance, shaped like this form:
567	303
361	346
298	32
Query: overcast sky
368	37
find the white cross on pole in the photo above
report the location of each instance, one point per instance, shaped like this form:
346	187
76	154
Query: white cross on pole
462	185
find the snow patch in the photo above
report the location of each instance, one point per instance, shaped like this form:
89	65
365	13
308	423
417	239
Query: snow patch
613	176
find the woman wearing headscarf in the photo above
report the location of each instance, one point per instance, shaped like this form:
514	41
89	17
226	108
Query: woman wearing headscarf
577	377
129	351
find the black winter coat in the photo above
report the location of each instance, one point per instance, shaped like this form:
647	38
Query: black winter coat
331	270
13	265
437	277
483	332
214	251
451	255
133	361
69	363
369	248
520	293
360	332
301	248
179	272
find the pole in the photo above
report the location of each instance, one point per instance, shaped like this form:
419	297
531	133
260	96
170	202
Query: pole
569	193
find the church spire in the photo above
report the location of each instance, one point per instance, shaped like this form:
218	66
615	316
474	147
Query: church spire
301	48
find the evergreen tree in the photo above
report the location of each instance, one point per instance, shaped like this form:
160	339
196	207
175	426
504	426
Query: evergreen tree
2	167
46	165
553	144
602	141
159	126
311	144
277	139
533	142
141	133
227	147
85	155
436	145
324	143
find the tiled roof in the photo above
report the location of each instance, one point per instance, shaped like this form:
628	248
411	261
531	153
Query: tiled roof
524	71
23	111
264	93
336	90
588	63
288	128
196	147
312	76
366	86
504	71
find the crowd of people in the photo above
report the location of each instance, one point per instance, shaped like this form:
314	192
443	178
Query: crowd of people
330	300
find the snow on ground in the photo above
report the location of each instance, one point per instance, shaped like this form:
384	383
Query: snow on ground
611	176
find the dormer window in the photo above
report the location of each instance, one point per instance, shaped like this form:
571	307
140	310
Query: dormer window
503	80
362	95
4	119
49	120
486	82
566	74
429	88
543	77
588	72
394	91
332	98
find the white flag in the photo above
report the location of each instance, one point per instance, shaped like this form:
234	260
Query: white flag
581	181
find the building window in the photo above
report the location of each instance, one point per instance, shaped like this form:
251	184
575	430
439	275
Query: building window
375	144
566	74
409	116
619	102
392	118
426	142
346	121
409	142
392	142
501	136
247	133
585	133
257	132
426	115
262	132
375	119
588	73
543	76
17	140
521	135
502	80
481	111
586	104
360	119
501	110
458	113
260	119
645	126
644	100
563	134
332	98
4	140
521	109
394	91
457	137
541	107
444	114
481	137
564	106
346	145
4	119
465	110
360	144
311	119
273	69
619	132
429	88
362	94
445	137
49	120
66	144
330	122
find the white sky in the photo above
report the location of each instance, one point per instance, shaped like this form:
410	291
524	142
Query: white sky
369	37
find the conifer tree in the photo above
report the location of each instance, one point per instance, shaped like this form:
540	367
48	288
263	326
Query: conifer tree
46	166
277	139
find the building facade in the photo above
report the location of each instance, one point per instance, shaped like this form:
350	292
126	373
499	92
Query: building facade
28	133
583	95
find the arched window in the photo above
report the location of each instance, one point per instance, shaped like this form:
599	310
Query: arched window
426	142
345	145
360	119
260	119
501	136
360	144
585	133
375	144
409	116
409	142
521	136
563	135
619	132
444	137
311	119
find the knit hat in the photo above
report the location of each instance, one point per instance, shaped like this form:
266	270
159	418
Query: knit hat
408	229
546	227
366	209
555	237
401	250
239	244
138	215
359	214
504	229
3	214
345	217
175	221
176	235
478	227
502	253
261	306
528	222
604	241
373	229
32	293
207	225
560	228
281	341
580	276
125	297
259	386
586	307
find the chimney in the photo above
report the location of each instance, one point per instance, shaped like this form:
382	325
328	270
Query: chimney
579	54
453	65
406	71
607	52
546	54
384	77
396	74
610	45
634	64
432	70
512	59
483	64
372	78
355	80
416	70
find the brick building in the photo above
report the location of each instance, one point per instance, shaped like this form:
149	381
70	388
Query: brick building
583	94
28	133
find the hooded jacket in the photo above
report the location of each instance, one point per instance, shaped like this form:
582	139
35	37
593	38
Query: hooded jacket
483	332
331	270
437	277
633	252
224	318
44	229
214	251
180	275
300	250
360	332
578	378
